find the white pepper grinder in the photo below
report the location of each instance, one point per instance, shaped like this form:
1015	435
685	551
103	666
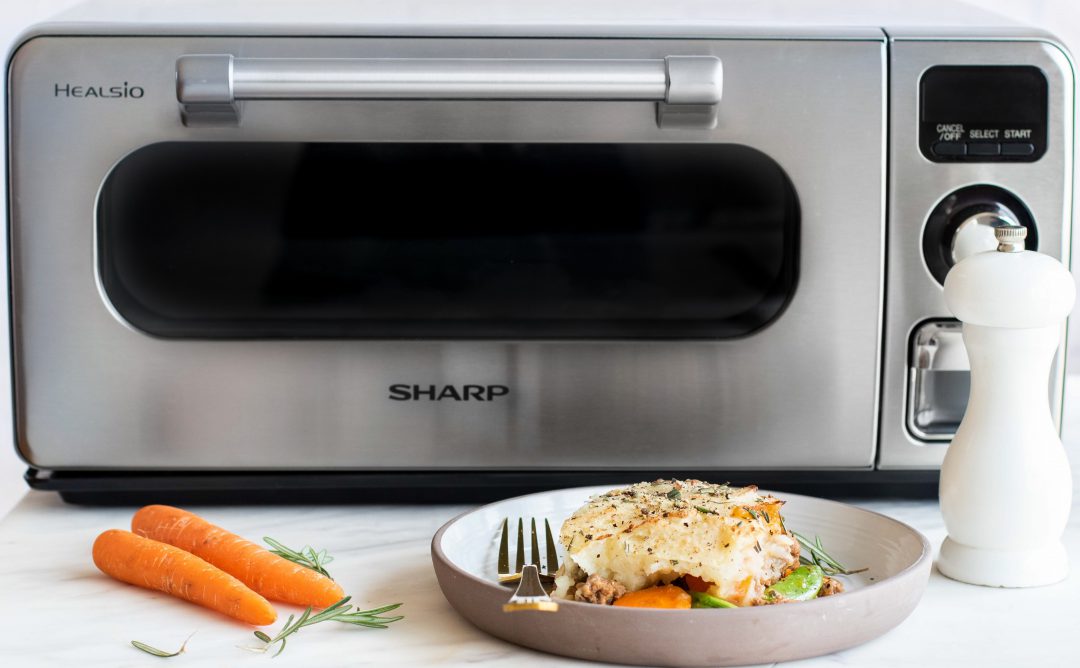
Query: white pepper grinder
1005	486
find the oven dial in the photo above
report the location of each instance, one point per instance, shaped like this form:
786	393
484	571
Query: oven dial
963	223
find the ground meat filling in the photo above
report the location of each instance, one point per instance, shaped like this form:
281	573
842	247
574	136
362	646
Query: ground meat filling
831	586
599	590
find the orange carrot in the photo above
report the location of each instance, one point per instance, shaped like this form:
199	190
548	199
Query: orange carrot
272	576
153	565
664	596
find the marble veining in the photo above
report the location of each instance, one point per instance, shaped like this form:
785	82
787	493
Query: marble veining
58	610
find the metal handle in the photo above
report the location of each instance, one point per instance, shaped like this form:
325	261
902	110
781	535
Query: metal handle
936	401
209	86
939	346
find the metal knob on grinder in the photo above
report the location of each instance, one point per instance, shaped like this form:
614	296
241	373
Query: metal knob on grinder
1010	238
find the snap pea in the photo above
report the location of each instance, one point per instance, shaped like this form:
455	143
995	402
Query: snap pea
703	600
801	584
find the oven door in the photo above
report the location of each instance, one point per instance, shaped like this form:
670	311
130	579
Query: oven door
387	254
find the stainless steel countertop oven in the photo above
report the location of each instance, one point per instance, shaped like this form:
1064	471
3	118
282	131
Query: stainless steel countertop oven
422	249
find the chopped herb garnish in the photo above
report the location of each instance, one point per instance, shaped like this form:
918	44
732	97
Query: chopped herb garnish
765	514
705	510
674	494
752	512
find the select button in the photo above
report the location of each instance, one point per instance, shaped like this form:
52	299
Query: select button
1021	148
983	148
949	148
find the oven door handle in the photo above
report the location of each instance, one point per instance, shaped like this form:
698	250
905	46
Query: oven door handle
687	88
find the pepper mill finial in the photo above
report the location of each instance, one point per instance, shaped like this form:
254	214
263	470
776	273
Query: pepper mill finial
1010	238
1005	486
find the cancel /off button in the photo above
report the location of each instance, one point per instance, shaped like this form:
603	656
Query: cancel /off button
950	148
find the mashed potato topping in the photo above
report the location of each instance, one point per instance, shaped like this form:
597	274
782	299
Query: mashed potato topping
730	541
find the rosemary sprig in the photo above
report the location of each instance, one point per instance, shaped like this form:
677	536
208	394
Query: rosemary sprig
338	612
143	647
829	565
306	557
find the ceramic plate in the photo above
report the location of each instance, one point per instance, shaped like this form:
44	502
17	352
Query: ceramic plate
897	557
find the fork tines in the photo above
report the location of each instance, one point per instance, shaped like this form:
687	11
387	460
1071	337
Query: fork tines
547	571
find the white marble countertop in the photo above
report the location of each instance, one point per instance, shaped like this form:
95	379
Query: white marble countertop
59	610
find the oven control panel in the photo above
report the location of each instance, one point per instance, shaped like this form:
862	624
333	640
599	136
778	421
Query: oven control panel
992	113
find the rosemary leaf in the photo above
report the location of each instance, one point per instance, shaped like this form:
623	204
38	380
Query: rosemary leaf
338	612
143	647
152	650
378	611
829	565
306	556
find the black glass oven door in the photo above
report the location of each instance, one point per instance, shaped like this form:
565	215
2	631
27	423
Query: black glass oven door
228	240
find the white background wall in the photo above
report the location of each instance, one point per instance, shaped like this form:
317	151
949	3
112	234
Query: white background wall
1061	17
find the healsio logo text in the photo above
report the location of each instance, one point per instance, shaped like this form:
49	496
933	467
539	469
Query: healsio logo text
122	91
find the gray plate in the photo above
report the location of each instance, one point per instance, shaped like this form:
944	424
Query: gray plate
898	559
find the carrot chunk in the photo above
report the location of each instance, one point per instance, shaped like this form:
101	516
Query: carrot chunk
272	576
152	565
664	596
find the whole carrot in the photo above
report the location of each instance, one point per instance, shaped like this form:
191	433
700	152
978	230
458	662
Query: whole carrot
268	574
153	565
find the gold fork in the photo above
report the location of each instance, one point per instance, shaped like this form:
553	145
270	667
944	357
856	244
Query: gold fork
507	576
530	594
